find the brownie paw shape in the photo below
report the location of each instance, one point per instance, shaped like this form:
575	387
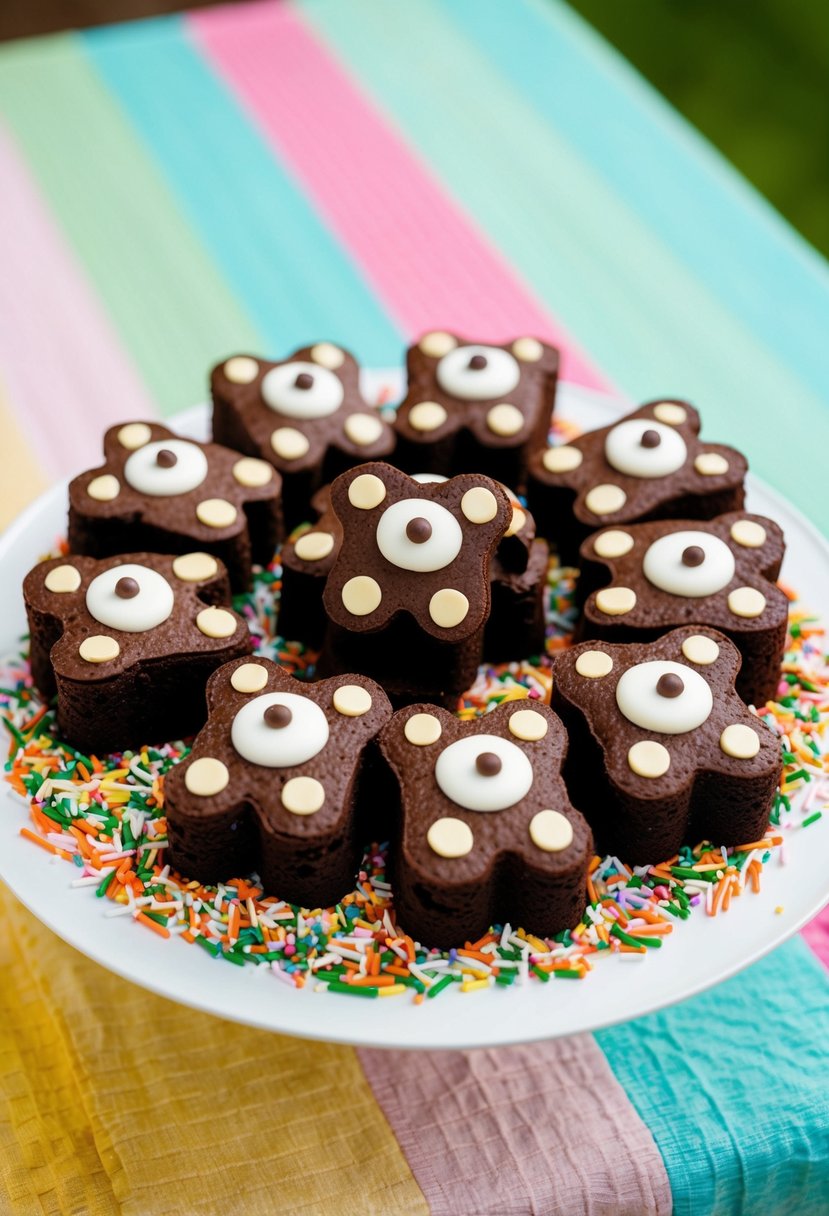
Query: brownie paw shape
651	465
719	572
161	493
304	414
472	405
663	752
276	781
128	642
487	832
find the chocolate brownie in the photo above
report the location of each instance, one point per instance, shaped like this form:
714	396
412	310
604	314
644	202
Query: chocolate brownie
305	414
472	406
487	834
159	493
127	643
657	576
662	750
650	465
277	782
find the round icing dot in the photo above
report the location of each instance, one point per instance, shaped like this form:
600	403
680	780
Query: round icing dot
363	429
562	459
249	677
648	758
427	416
216	622
458	776
422	729
700	650
605	499
130	597
517	522
616	601
241	369
289	443
426	479
479	505
302	390
740	741
477	373
326	354
104	488
505	419
437	344
689	564
670	413
134	435
448	607
313	546
711	464
418	534
166	467
642	448
613	543
62	579
641	703
747	602
216	513
550	831
450	837
98	648
748	533
528	350
352	700
366	492
528	725
303	736
252	472
361	595
303	795
195	567
206	777
594	664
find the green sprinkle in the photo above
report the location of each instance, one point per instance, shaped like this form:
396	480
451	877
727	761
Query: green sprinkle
567	973
542	975
101	889
352	989
211	948
437	988
505	978
800	772
812	819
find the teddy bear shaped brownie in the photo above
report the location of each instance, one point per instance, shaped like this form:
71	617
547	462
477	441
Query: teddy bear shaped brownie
408	595
663	752
164	494
476	406
278	782
650	465
718	572
128	642
487	834
304	414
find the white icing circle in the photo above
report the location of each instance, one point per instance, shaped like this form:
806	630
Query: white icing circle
458	777
150	607
442	547
323	397
662	564
279	747
144	474
642	705
499	377
623	449
428	478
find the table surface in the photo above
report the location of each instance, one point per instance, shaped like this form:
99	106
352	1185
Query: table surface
262	176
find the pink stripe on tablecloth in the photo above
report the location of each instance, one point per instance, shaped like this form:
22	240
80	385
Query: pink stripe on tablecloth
60	356
541	1128
423	255
816	935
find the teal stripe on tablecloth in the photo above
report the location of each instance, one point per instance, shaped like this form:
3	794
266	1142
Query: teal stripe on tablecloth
298	283
739	1109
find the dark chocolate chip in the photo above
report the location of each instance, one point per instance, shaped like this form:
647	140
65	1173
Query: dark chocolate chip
277	716
418	530
693	556
477	363
304	380
670	685
650	439
165	459
488	764
126	588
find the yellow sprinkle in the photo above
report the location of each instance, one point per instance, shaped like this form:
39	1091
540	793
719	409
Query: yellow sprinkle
393	990
778	909
466	986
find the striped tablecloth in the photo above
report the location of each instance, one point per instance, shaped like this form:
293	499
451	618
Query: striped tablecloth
262	176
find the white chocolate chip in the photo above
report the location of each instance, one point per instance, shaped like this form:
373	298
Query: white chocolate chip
528	724
252	472
450	838
104	488
216	513
747	602
195	567
303	795
748	533
289	443
249	678
216	622
615	601
550	831
594	664
437	344
134	435
700	650
605	499
648	758
62	579
613	543
505	419
427	416
98	648
740	741
670	413
206	777
517	522
448	607
361	595
711	464
479	505
528	350
422	729
313	546
327	355
366	492
562	459
241	369
363	429
352	700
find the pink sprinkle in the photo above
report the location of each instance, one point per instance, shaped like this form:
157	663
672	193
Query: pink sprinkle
289	950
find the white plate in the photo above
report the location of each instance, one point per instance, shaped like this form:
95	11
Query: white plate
701	951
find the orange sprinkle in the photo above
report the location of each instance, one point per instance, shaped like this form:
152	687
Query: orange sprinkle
151	924
478	954
393	970
372	981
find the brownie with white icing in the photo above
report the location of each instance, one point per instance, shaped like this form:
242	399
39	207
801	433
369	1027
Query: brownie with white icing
279	782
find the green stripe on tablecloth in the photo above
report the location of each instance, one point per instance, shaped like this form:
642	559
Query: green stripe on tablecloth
717	1089
621	291
174	312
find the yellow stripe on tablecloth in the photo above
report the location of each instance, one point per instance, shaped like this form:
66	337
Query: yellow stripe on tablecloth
114	1100
21	477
